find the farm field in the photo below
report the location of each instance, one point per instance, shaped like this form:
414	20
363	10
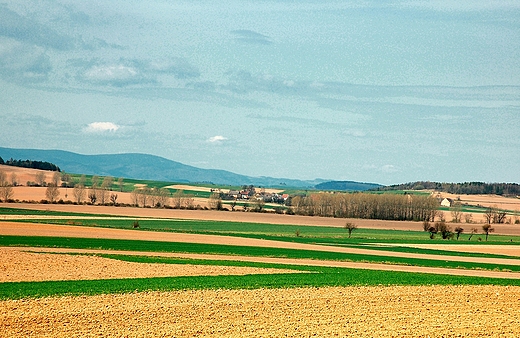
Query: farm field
84	270
205	273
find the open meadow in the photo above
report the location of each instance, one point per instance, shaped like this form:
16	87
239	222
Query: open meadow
91	270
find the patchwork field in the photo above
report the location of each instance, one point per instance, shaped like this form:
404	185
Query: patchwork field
69	270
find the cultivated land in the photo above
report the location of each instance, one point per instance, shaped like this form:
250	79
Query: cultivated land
201	273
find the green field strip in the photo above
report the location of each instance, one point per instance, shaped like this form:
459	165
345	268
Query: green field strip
178	247
30	212
327	277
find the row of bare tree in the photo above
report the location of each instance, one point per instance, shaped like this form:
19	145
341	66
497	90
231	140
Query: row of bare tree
367	205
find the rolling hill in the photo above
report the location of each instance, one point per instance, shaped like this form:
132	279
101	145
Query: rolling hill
151	167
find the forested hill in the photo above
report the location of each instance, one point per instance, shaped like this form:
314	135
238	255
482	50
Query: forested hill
42	165
469	188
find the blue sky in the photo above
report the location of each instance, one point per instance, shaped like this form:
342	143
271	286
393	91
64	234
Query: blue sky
375	91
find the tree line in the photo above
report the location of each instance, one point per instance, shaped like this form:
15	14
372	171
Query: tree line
466	188
366	205
42	165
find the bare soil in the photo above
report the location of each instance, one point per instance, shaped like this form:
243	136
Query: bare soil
21	264
239	216
397	311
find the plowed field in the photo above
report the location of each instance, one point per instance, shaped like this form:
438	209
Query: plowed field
427	311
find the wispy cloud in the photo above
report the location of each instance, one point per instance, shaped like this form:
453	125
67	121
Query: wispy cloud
100	127
389	168
217	139
125	72
251	37
21	63
22	29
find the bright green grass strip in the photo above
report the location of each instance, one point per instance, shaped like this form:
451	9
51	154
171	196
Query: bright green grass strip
18	211
327	277
133	245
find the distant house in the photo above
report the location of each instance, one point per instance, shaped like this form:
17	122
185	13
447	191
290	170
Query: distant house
447	202
233	193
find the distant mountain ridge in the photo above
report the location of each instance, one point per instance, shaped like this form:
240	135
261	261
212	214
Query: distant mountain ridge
151	167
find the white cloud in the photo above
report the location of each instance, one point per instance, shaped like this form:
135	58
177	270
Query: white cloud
99	127
109	73
217	139
389	168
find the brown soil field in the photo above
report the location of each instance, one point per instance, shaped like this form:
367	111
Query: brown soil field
396	311
23	175
239	216
508	203
513	250
27	265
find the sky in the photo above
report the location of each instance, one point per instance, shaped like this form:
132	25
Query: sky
373	91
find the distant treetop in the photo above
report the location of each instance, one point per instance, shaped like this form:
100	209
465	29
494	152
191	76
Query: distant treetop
466	188
31	164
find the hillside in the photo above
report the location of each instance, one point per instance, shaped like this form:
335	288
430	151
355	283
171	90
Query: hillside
146	167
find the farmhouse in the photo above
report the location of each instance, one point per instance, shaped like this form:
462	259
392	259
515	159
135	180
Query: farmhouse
447	202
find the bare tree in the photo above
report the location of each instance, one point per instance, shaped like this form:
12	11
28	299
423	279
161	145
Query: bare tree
350	228
215	202
442	228
79	193
135	196
107	182
14	179
143	194
6	190
95	181
487	229
178	199
52	192
121	184
66	179
458	231
489	215
499	216
56	179
113	199
40	178
473	231
468	218
163	197
456	212
104	191
92	196
83	180
189	201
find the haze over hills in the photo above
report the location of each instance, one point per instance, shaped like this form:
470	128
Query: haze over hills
150	167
